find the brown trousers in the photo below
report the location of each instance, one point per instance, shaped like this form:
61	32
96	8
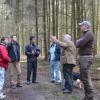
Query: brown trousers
85	65
14	70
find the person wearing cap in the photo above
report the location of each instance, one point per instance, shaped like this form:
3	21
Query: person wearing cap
32	52
68	60
85	45
14	54
4	61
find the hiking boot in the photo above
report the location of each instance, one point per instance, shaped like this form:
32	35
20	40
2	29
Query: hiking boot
58	82
13	86
28	83
91	98
52	81
63	89
35	82
86	98
67	91
18	85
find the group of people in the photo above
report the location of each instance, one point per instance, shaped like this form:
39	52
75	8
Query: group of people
10	55
60	53
65	53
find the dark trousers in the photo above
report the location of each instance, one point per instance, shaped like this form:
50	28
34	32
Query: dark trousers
68	76
76	76
85	65
31	68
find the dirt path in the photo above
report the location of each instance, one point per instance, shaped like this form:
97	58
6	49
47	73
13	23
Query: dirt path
44	90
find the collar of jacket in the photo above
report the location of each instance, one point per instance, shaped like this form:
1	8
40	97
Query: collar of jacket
14	42
85	32
2	44
32	44
53	44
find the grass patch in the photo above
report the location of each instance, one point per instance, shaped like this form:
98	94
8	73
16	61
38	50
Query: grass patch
74	97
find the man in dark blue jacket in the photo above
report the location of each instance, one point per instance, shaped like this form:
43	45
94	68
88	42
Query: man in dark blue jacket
14	54
32	52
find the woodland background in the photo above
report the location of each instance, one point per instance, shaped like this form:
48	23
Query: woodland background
44	17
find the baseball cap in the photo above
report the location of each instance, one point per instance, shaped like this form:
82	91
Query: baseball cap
87	23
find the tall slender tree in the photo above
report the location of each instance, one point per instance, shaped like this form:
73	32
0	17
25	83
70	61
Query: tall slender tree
36	19
44	28
49	22
53	17
73	20
66	5
57	17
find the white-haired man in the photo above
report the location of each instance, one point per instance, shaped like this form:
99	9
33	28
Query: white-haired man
68	61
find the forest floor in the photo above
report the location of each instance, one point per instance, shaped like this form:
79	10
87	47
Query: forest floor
45	90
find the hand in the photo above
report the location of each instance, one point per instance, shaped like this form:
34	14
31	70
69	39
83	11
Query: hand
53	38
33	51
6	69
78	40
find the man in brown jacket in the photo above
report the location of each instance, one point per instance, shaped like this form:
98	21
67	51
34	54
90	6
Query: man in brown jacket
68	61
85	45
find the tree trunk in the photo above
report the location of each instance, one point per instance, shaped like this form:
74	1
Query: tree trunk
53	17
44	28
57	14
66	16
36	19
48	23
73	20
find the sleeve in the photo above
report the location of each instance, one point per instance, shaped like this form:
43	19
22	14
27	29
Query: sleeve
19	51
27	51
82	41
4	54
64	45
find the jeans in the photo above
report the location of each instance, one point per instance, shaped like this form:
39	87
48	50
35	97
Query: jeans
85	65
2	78
55	71
31	68
68	76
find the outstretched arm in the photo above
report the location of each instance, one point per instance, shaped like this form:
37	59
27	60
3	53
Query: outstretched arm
62	44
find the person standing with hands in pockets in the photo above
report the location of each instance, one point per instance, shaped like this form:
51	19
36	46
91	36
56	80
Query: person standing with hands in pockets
14	54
